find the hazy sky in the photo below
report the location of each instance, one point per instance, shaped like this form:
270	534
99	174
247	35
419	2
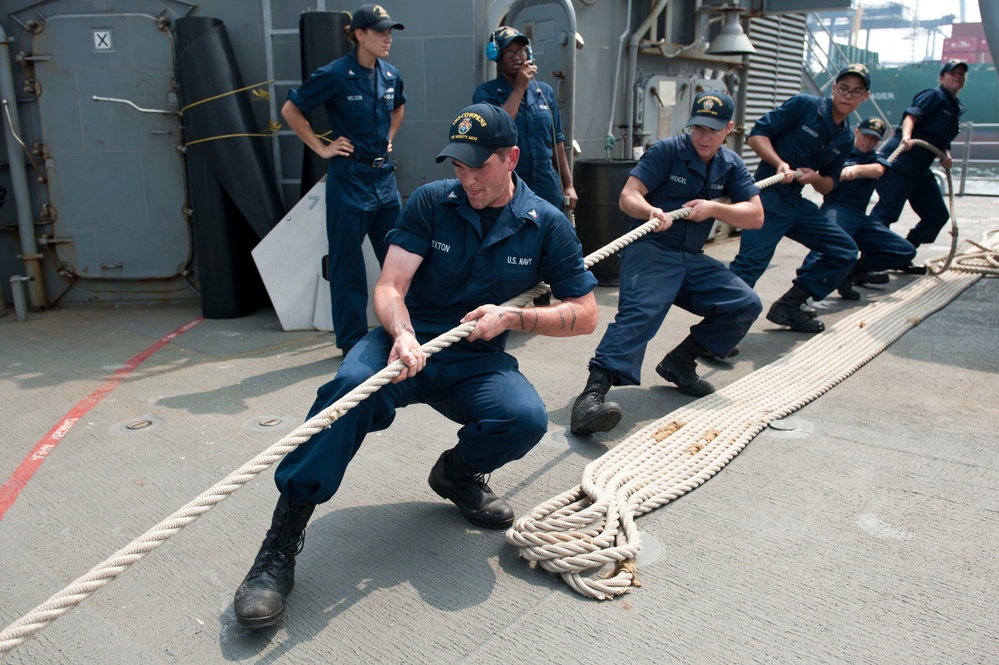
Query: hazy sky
899	45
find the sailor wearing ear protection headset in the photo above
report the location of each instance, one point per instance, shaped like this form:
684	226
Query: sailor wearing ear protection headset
543	163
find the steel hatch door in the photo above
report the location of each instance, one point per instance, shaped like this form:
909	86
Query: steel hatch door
551	27
115	174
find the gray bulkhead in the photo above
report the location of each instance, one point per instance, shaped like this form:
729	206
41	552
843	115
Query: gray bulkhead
111	218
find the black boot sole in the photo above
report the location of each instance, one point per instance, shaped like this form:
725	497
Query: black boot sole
871	278
686	387
778	316
257	623
604	421
714	356
441	491
848	294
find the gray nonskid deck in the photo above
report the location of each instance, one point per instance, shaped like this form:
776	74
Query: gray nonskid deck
866	534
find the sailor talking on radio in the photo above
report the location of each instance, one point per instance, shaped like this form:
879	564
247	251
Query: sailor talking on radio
531	103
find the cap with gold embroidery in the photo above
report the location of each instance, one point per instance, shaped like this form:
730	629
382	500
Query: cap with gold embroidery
712	108
477	132
872	126
373	17
856	69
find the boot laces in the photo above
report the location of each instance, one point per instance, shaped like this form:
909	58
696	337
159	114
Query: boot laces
280	546
600	383
469	486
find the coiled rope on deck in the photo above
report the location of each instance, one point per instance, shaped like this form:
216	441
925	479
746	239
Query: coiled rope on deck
575	525
593	524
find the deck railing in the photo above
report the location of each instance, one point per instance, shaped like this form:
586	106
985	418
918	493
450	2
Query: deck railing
976	160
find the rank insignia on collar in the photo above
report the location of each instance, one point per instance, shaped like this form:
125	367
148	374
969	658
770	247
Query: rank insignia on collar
451	195
533	214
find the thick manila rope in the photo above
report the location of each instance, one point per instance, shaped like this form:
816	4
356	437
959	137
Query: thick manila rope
593	524
102	574
936	267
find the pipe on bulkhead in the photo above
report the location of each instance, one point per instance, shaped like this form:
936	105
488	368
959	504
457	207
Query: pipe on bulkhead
609	141
636	38
19	181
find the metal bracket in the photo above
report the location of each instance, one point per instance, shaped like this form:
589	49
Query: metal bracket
20	301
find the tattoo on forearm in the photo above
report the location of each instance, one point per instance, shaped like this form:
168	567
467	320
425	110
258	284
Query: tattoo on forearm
561	315
523	324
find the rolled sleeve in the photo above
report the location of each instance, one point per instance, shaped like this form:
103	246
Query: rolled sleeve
563	268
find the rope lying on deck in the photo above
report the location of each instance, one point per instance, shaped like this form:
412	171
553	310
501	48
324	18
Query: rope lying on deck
597	534
593	524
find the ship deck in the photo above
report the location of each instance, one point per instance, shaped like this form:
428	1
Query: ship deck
866	533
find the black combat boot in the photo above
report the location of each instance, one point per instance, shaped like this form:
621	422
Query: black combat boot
787	312
862	277
680	367
460	483
259	600
846	290
711	354
589	412
911	269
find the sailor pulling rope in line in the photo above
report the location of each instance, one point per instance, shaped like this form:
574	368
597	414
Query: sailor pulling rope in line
569	514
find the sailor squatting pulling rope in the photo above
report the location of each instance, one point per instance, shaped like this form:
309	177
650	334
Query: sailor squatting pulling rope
483	238
487	183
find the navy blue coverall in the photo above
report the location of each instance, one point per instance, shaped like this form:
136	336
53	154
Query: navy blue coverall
662	269
938	117
804	134
361	192
477	384
539	130
880	248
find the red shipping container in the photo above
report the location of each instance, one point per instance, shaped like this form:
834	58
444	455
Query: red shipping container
966	56
967	30
961	44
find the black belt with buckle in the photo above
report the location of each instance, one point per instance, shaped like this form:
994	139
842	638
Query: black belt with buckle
368	161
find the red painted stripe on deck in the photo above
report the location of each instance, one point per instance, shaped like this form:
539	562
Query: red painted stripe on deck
19	479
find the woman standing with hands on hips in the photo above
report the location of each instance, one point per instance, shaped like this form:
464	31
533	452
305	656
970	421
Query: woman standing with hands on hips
364	99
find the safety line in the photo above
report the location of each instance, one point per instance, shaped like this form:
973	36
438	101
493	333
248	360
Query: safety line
10	490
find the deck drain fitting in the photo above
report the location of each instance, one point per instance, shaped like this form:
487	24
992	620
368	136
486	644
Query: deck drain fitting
139	424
